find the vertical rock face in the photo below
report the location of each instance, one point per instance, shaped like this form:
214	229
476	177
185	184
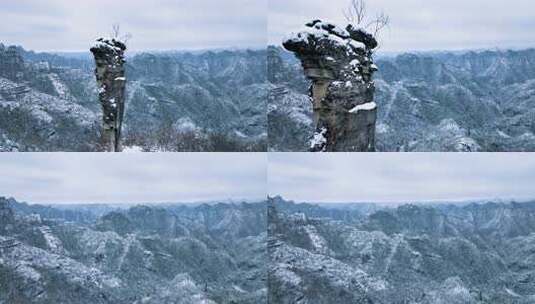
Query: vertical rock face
11	63
110	74
6	214
339	63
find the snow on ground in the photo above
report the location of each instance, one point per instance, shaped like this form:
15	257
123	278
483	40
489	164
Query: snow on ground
319	243
132	149
52	241
59	87
319	138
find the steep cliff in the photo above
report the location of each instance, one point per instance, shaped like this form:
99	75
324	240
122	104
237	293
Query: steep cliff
339	63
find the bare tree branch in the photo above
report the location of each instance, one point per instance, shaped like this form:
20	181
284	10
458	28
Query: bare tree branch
115	30
117	35
378	24
356	12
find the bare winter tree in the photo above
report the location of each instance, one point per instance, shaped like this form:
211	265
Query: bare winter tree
356	12
357	15
378	24
118	35
115	31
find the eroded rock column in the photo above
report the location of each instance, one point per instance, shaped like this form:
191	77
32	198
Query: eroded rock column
7	217
111	81
339	64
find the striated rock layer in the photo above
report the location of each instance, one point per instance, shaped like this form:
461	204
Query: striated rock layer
339	63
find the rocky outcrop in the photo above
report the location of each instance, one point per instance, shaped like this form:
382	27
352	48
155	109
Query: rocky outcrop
11	63
339	63
111	81
6	215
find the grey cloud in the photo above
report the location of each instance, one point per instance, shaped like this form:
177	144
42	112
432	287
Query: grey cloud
154	25
420	24
401	177
132	178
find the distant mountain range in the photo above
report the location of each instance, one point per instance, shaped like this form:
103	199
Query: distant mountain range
438	101
174	254
218	100
293	253
176	101
475	253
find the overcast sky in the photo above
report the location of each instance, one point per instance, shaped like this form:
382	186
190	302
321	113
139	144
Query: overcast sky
132	178
68	25
422	24
401	177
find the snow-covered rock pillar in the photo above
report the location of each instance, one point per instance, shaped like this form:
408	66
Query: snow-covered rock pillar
339	64
111	81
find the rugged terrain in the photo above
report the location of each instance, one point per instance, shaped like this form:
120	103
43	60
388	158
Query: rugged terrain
466	101
175	101
473	253
143	254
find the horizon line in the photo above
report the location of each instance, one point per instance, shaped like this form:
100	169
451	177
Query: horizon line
206	201
414	201
191	49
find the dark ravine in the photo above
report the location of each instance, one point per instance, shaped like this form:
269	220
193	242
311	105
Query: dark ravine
476	253
145	254
470	101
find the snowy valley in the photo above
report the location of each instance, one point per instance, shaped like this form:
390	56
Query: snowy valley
171	253
471	253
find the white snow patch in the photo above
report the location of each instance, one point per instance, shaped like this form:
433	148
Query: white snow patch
527	135
185	124
364	107
319	138
503	134
382	128
509	291
52	241
239	289
288	276
319	243
59	87
357	44
240	134
132	149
